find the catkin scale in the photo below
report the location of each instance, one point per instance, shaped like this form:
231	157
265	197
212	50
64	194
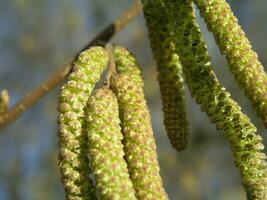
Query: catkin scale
214	100
243	61
73	162
105	149
139	142
170	75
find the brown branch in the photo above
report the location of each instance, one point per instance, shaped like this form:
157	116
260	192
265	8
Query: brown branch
35	95
111	65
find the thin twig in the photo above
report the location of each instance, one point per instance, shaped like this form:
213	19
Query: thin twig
35	95
111	65
4	101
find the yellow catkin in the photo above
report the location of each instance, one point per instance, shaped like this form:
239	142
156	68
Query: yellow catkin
73	162
233	43
105	147
170	75
204	86
139	142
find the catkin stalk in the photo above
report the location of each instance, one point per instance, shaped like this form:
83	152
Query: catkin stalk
139	143
233	43
170	75
105	148
73	162
204	86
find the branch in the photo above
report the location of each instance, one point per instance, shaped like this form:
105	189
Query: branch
111	65
35	95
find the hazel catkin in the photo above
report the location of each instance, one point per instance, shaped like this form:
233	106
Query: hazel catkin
233	43
170	75
73	162
204	86
139	143
105	148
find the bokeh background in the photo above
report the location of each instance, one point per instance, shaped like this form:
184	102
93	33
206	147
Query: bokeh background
38	36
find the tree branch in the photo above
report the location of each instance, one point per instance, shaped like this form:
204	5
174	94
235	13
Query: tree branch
111	65
35	95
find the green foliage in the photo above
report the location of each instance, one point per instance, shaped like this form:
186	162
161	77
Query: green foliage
73	162
105	149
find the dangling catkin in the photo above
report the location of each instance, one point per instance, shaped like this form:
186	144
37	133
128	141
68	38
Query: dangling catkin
170	75
139	143
105	147
126	63
243	61
215	101
73	162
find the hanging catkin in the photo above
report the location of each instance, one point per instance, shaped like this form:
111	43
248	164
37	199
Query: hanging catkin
139	143
105	148
170	75
73	162
215	101
243	61
126	63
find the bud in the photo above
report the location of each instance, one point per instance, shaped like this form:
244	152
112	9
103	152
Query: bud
73	162
4	101
105	147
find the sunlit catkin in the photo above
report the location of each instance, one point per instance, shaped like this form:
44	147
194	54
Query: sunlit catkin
73	162
139	143
170	75
105	147
243	61
215	101
127	64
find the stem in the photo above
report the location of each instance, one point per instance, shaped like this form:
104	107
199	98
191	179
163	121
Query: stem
111	65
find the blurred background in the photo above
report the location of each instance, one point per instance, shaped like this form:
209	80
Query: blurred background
38	36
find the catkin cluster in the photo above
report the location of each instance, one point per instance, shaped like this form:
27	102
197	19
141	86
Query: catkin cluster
107	149
184	34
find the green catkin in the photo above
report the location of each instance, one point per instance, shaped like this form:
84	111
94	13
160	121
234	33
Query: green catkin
214	100
139	143
73	162
105	148
126	63
243	61
170	76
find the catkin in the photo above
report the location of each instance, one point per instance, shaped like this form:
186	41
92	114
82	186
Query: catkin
139	143
215	101
105	148
127	64
243	61
73	162
170	75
